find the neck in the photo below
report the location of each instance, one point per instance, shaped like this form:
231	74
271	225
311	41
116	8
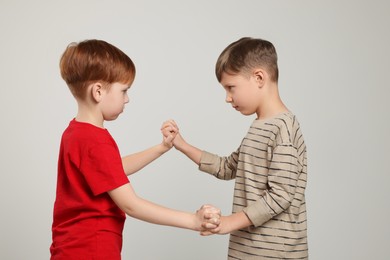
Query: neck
272	104
88	114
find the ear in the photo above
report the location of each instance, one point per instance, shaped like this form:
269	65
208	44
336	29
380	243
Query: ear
96	91
260	77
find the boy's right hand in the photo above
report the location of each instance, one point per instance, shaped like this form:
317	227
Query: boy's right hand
209	217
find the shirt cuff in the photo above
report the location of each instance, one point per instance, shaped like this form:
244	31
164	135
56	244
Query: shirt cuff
207	162
257	213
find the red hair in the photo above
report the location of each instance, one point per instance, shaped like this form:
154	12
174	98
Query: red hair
93	61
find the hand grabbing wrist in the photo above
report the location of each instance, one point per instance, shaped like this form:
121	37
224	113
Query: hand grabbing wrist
169	132
209	218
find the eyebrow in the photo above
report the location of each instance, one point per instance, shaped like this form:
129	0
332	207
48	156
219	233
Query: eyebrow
227	85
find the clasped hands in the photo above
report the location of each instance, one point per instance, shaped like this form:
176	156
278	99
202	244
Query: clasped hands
209	218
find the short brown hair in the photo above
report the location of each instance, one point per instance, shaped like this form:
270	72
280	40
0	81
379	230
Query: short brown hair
92	61
247	54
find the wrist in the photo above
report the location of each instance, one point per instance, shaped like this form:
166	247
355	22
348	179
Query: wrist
197	225
163	148
180	146
234	222
225	225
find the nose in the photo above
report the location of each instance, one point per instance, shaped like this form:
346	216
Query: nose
127	99
228	98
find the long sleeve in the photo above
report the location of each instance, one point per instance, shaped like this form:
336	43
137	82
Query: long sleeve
224	168
282	181
270	180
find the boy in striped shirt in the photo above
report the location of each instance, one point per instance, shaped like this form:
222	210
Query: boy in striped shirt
269	167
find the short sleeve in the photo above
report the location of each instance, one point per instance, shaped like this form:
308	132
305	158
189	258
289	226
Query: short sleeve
102	168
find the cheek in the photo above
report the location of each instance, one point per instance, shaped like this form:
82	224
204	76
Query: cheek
238	97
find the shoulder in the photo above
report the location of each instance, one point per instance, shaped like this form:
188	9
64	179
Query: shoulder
276	124
290	132
87	131
84	137
285	126
286	121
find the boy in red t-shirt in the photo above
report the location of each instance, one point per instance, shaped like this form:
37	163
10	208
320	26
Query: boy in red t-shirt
93	192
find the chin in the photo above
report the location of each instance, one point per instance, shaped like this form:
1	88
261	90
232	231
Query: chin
247	113
111	118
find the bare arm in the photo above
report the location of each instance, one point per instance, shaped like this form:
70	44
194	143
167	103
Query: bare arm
230	223
180	144
134	206
135	162
189	150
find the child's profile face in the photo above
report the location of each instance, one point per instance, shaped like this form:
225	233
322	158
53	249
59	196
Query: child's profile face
242	92
114	100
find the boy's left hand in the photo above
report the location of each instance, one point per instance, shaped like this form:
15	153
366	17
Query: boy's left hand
169	132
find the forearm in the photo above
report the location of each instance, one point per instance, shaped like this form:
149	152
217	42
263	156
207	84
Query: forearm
156	214
190	151
229	224
134	206
135	162
223	168
234	222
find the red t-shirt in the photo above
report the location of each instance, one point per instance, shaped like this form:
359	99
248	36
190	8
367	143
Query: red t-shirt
87	224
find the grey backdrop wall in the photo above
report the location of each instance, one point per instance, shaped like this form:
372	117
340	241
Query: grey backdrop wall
334	61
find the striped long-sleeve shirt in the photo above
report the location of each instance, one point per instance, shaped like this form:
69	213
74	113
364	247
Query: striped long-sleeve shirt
270	171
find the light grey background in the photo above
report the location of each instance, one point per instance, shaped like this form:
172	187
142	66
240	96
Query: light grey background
334	68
